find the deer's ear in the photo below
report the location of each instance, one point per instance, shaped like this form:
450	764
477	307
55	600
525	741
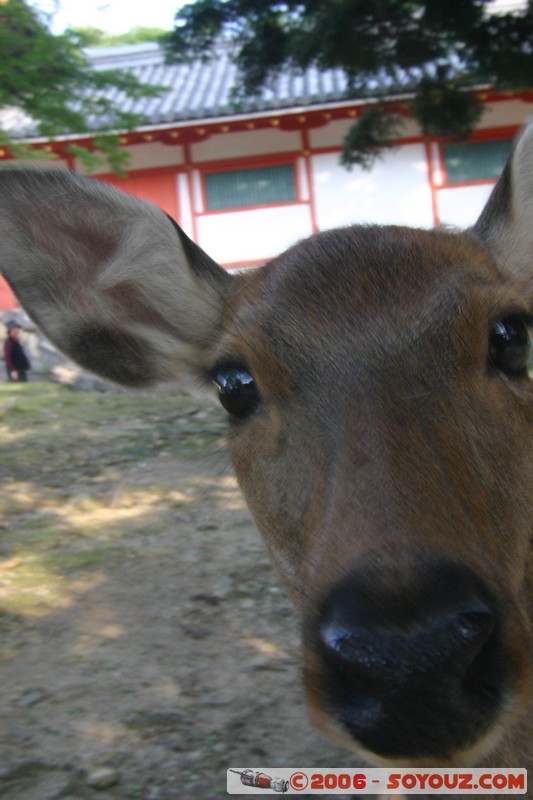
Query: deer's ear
506	223
111	280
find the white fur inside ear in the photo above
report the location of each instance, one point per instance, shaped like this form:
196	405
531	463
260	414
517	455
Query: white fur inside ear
520	253
506	223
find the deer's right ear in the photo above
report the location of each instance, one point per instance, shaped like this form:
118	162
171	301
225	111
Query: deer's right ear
506	223
111	280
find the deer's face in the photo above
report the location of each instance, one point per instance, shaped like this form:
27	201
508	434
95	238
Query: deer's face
385	450
381	429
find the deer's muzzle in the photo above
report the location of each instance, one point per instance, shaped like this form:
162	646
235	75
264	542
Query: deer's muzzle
409	671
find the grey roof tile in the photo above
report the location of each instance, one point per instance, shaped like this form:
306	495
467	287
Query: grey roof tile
200	89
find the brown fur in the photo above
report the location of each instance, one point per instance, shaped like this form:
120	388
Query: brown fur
384	440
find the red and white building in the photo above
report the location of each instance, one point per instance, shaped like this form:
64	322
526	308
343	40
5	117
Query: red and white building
247	181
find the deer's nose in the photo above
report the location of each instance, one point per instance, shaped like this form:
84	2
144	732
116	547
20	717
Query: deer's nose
412	671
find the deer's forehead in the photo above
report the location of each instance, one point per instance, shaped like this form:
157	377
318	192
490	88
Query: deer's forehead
349	282
372	262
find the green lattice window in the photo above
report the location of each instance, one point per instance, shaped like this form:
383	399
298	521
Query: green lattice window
475	161
240	188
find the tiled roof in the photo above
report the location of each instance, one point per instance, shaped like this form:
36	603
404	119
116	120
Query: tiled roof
197	89
202	89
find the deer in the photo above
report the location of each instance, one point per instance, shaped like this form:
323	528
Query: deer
380	420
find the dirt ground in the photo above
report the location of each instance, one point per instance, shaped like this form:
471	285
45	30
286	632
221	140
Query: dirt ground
145	643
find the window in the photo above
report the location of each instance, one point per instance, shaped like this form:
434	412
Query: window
476	161
250	187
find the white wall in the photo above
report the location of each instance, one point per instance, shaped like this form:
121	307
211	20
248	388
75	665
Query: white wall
184	204
462	205
332	134
245	144
145	156
395	191
240	236
504	113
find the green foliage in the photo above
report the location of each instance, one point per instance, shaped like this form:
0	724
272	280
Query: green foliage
41	73
442	107
431	50
369	137
21	150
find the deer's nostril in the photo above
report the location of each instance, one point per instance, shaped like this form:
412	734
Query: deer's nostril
445	646
423	647
416	676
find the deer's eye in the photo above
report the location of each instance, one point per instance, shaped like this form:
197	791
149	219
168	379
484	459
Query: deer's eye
510	344
236	390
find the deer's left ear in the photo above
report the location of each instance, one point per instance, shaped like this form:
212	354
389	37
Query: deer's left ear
111	280
506	223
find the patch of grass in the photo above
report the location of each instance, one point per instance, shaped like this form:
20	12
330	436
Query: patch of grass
65	511
67	563
42	581
55	428
32	588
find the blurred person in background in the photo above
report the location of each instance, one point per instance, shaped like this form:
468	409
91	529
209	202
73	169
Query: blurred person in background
17	362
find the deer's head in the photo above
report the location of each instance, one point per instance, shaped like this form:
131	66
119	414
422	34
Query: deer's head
380	425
